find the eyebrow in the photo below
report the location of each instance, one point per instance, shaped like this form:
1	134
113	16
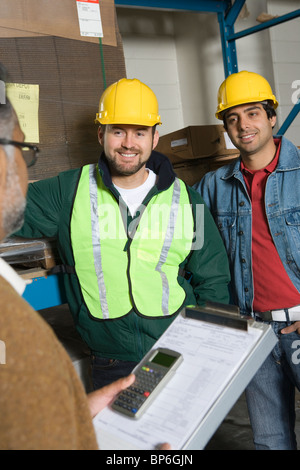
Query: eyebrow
245	110
139	128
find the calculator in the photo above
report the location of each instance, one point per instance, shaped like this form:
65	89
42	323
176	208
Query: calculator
151	375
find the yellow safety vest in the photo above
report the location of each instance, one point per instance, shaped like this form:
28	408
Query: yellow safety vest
119	270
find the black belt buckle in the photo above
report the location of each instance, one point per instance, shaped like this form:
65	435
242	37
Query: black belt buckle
265	316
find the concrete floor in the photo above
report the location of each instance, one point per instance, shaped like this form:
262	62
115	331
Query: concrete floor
233	434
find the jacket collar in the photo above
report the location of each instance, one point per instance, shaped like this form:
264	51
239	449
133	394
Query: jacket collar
289	159
157	162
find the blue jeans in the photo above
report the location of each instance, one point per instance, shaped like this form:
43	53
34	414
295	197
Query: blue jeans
271	394
106	371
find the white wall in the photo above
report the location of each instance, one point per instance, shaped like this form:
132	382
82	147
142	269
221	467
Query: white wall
200	65
179	55
150	55
200	60
285	47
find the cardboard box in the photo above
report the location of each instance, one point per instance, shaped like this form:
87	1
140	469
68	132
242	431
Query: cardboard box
29	18
70	78
196	142
193	170
192	173
41	252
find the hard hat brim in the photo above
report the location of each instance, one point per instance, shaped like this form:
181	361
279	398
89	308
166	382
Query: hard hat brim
221	112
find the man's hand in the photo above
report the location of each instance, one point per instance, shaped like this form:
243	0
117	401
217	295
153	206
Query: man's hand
289	329
99	399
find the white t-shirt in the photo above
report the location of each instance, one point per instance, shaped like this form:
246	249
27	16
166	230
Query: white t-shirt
135	196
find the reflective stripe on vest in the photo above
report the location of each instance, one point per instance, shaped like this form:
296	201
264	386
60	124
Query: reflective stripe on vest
118	272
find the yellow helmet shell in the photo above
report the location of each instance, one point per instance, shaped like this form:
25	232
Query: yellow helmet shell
242	88
128	101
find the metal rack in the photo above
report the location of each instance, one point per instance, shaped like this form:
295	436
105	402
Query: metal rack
46	291
227	11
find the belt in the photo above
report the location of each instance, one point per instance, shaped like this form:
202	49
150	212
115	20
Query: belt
287	314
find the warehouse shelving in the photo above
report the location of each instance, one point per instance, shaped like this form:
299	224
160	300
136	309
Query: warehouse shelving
47	291
228	13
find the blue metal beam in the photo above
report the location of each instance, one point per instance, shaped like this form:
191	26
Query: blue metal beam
228	49
234	12
288	121
208	6
227	19
262	26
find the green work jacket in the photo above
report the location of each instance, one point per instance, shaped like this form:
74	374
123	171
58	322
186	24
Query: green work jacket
203	274
121	266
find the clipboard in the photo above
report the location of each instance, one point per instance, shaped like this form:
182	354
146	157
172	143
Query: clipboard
221	353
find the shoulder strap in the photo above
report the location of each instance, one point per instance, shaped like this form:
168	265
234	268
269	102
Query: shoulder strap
62	268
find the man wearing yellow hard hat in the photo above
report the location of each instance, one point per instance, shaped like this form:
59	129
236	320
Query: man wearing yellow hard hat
255	202
133	251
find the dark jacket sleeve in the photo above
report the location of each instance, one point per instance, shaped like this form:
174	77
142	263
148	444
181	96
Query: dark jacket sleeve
42	210
208	262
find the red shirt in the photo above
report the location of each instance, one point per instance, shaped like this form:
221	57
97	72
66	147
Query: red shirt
273	289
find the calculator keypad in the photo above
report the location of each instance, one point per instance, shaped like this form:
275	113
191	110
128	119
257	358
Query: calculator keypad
133	397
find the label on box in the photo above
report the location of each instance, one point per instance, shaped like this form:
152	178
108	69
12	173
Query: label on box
89	18
179	142
25	99
228	143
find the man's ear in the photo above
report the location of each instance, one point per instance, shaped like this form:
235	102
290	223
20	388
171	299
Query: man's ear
155	139
101	135
273	120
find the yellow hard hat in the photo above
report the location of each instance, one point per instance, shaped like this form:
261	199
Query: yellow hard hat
241	88
128	101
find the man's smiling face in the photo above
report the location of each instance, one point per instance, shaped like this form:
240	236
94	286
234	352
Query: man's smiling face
249	127
127	147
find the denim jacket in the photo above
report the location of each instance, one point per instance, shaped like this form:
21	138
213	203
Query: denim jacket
225	193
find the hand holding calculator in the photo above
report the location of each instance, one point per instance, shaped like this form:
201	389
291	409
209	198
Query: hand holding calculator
151	374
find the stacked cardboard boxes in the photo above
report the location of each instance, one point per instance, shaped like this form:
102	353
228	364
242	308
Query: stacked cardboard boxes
41	44
195	150
27	253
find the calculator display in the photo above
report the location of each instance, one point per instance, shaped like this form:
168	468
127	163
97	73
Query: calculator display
163	359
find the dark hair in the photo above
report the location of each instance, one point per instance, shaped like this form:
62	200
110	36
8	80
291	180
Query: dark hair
267	105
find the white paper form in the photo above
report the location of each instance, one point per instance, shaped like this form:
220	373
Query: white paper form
212	354
89	18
